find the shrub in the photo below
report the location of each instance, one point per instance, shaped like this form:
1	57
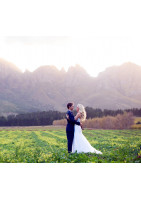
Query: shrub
61	122
121	121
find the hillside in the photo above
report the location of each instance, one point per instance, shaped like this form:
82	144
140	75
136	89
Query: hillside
49	88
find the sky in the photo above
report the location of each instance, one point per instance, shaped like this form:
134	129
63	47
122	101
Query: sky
93	34
94	54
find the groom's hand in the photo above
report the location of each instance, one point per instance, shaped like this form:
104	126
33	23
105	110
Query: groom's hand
67	116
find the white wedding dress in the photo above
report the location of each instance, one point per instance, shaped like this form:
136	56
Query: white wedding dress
80	143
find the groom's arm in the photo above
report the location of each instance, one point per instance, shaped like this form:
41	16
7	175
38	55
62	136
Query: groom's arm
72	120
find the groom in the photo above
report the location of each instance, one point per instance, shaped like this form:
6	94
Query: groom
70	125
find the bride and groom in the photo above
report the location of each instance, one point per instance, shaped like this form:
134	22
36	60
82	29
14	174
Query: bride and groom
77	142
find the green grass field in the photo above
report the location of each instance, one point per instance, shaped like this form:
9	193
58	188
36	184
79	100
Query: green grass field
49	145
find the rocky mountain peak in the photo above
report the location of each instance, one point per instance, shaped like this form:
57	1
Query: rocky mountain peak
47	87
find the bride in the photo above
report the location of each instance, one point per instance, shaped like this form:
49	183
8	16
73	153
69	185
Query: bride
80	143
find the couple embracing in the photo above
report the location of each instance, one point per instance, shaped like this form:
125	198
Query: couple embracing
77	142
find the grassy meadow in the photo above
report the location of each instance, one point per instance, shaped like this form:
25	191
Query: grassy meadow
49	145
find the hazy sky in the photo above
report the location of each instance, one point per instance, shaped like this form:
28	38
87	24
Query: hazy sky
94	34
92	53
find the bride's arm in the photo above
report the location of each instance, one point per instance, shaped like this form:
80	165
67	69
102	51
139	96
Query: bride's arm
77	116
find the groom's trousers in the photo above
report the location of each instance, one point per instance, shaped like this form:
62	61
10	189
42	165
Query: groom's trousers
70	129
70	136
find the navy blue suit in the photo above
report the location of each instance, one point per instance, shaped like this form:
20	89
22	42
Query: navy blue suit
70	129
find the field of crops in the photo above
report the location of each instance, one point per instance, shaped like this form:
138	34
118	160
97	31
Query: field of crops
49	145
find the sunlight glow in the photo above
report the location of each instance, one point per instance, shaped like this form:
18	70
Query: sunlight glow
92	53
93	34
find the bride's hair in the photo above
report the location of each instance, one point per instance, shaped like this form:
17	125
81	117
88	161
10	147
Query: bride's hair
82	111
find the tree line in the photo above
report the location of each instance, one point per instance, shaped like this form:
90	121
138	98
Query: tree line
47	117
93	113
32	119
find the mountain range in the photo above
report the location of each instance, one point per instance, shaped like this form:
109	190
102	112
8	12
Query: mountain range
47	88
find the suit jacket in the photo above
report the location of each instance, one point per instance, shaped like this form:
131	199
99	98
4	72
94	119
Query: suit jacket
71	121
